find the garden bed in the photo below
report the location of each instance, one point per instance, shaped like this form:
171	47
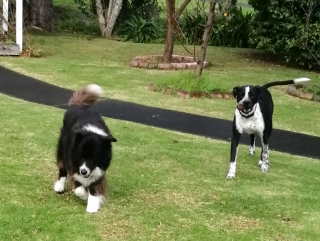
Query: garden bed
192	94
297	91
156	62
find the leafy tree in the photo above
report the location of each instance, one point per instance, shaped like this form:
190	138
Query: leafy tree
287	27
111	12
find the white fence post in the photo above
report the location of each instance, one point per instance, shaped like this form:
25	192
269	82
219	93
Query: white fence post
19	23
5	11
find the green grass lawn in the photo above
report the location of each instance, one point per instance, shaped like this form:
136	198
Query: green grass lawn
72	61
162	186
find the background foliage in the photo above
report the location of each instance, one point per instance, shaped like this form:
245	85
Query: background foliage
290	28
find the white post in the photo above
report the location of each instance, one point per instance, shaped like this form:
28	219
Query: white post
19	23
5	10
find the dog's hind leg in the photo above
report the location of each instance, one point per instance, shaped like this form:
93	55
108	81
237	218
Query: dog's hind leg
62	177
234	152
252	146
264	157
96	197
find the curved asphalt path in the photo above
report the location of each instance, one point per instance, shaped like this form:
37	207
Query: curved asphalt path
29	89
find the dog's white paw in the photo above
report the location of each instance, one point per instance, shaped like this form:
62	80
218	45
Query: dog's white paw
231	175
59	185
95	203
92	209
259	163
264	167
251	150
81	193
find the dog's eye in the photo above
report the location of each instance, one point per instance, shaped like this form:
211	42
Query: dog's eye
250	94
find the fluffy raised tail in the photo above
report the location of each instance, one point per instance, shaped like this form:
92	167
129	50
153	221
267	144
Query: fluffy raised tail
286	82
87	96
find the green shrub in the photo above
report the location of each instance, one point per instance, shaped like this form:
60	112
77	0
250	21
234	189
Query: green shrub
288	28
70	19
231	30
146	9
311	88
188	82
192	27
139	30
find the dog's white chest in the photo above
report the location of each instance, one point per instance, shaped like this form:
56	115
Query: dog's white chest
251	125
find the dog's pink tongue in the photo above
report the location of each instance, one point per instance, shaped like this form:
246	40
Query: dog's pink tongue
240	107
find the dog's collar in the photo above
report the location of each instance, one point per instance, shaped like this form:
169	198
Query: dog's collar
250	114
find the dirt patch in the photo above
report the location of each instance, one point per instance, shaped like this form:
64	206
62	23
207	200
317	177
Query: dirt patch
241	223
180	199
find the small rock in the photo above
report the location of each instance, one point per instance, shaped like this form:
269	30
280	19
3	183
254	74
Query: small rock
181	65
134	63
191	65
153	65
293	91
183	94
144	65
316	98
228	95
306	96
150	87
164	66
216	94
196	94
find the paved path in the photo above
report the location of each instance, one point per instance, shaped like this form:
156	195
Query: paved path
26	88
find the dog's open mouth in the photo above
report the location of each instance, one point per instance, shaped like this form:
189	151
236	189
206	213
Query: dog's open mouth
242	109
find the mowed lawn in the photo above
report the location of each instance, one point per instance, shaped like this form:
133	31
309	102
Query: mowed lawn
162	186
72	61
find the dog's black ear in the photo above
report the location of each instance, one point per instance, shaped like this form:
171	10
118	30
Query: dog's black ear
109	138
235	91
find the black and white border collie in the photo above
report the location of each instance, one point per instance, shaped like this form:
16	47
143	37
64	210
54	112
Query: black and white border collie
84	149
253	115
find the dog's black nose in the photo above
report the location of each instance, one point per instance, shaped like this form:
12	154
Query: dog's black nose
83	172
246	103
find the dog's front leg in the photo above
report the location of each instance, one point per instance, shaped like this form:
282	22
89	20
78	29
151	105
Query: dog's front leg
234	151
264	158
252	146
96	195
80	190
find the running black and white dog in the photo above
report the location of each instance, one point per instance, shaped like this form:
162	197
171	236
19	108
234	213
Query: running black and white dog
253	115
84	149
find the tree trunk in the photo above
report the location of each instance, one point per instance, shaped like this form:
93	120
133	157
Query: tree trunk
168	50
101	19
108	21
205	38
113	13
172	19
42	14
